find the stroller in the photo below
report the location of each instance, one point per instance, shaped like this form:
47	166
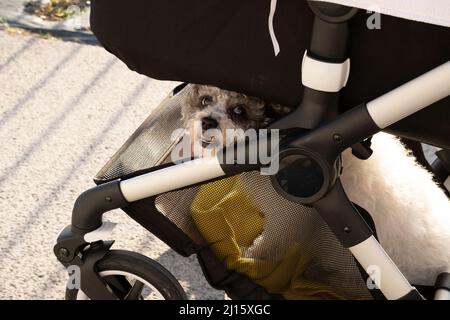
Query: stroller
400	83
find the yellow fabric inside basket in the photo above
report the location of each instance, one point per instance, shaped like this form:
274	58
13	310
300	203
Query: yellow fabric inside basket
228	219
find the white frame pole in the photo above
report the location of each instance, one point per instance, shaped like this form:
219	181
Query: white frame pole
171	178
386	275
390	108
411	97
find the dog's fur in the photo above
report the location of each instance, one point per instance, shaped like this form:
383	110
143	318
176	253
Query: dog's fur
208	102
411	213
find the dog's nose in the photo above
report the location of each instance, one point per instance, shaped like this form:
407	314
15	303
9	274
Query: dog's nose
209	123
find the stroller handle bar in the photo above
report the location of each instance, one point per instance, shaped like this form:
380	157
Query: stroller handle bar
411	97
171	178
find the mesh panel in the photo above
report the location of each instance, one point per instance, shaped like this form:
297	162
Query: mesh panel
150	144
176	206
268	234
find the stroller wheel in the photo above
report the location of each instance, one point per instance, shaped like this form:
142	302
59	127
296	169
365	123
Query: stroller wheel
132	276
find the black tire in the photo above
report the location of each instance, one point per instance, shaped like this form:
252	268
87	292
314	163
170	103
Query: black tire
141	266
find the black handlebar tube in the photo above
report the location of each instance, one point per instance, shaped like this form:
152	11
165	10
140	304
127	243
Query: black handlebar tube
91	204
329	41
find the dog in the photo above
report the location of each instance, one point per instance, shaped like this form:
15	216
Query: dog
208	112
410	211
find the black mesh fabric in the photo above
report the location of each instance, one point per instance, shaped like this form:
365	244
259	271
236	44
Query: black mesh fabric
150	144
270	237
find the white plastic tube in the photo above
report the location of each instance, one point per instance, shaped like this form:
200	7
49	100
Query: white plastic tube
371	255
171	178
411	97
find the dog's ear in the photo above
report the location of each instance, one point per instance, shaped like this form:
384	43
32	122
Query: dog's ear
275	111
192	89
192	93
190	98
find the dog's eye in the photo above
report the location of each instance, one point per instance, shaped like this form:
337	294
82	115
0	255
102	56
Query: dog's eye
239	110
206	100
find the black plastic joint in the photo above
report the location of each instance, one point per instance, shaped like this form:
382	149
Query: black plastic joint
347	130
93	203
330	31
362	150
343	218
68	245
332	12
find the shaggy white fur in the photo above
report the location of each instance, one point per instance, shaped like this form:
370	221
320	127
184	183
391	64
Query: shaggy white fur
411	213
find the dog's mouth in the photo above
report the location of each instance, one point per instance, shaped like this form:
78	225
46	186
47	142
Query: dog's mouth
207	141
216	142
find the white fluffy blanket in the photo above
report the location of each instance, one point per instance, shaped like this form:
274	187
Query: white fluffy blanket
411	213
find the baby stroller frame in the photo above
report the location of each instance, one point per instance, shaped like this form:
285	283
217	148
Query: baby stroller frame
321	143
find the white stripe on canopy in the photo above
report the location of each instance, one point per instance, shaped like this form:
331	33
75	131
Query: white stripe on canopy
429	11
435	12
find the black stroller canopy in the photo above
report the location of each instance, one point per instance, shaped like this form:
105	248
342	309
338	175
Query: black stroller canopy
229	44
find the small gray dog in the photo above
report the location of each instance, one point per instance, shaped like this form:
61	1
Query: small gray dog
211	108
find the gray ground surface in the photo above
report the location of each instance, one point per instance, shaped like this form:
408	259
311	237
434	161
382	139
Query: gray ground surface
65	108
75	28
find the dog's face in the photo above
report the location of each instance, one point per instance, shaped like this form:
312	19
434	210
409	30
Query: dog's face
212	108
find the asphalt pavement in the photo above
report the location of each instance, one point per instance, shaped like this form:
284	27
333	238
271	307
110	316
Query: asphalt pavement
65	108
